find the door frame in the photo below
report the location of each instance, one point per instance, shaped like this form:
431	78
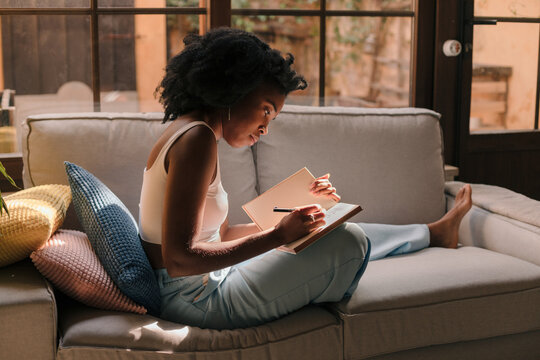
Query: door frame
510	159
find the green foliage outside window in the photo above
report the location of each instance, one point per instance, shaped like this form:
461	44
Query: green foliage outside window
3	205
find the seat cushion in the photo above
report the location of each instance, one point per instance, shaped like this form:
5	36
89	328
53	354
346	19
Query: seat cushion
27	314
439	296
114	236
87	333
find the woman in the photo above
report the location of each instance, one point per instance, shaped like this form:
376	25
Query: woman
228	85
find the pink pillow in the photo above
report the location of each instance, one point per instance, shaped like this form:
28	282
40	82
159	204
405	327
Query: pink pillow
68	261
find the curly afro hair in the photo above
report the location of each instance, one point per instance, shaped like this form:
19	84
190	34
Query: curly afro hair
219	68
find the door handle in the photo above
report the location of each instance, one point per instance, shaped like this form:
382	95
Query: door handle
452	48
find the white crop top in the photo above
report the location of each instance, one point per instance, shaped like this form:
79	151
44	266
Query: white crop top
153	194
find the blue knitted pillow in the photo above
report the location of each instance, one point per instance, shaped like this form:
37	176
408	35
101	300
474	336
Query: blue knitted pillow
113	233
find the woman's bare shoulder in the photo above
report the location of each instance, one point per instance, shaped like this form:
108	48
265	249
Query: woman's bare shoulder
197	140
195	151
190	141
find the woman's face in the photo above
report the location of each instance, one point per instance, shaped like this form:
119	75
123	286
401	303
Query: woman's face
251	116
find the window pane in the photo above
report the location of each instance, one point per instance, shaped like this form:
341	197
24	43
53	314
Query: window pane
133	51
505	66
295	34
372	5
46	60
368	61
507	8
275	4
152	3
17	4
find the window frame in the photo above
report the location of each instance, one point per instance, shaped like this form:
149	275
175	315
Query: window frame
218	13
423	24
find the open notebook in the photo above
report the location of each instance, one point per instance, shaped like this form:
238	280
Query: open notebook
293	192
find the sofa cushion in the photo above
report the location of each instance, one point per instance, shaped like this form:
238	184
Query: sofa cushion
114	147
27	314
311	332
439	296
34	214
238	178
114	236
69	263
390	161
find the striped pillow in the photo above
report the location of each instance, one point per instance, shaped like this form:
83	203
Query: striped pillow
69	263
34	215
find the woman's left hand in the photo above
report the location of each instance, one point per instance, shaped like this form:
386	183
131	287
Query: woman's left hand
321	186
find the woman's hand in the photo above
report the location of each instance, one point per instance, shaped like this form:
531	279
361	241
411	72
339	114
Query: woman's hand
300	222
321	186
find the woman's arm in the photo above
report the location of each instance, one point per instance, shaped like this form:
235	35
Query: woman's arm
191	168
231	232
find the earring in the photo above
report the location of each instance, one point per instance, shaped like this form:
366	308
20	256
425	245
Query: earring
229	114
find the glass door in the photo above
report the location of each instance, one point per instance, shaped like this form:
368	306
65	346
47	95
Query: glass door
499	141
504	87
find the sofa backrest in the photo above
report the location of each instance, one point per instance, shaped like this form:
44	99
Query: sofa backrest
390	161
387	160
114	147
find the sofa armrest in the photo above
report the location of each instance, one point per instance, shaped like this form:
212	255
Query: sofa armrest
28	317
500	220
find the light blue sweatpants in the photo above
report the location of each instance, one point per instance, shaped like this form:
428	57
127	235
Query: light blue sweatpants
277	283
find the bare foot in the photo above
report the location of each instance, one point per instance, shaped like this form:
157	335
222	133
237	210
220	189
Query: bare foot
444	232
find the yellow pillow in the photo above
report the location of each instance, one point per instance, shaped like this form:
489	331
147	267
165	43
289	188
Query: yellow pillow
34	215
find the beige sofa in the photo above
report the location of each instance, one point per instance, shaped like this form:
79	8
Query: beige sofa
480	301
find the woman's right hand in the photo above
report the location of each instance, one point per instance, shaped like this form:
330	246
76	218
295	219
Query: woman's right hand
299	223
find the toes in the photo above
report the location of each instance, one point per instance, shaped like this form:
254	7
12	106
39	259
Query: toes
460	193
467	191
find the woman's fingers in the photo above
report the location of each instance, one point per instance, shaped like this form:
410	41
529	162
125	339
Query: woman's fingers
308	209
313	221
316	224
321	186
326	190
319	189
312	216
300	222
320	182
321	179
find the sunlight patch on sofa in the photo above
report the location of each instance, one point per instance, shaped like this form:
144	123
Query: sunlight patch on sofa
173	334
